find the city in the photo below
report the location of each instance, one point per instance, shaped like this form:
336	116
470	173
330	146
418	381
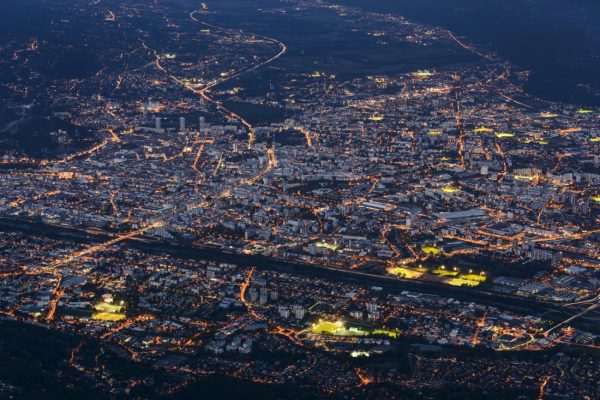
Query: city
366	207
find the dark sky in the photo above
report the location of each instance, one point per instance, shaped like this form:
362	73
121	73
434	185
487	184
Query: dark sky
558	40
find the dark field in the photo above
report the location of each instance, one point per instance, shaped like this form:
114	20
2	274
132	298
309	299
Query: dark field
557	40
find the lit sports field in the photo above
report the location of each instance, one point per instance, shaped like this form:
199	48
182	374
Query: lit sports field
504	135
445	272
470	280
548	115
339	328
407	273
450	189
450	276
108	312
108	317
328	246
431	250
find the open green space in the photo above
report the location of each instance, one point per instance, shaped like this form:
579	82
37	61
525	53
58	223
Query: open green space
431	250
445	272
341	328
108	312
502	135
408	273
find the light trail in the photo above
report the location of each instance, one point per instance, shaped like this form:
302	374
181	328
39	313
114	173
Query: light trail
202	92
57	293
468	48
102	246
572	318
480	325
306	134
504	163
543	385
362	377
460	137
114	136
272	162
111	200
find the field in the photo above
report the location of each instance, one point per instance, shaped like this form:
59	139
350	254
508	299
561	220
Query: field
108	308
108	312
340	328
470	280
442	274
108	317
328	246
473	277
406	272
450	189
445	272
337	329
524	177
504	135
462	282
431	250
548	115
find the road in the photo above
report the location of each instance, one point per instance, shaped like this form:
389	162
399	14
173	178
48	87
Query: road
391	284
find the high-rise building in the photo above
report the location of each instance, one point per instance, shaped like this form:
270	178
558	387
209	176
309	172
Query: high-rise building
298	311
158	122
181	124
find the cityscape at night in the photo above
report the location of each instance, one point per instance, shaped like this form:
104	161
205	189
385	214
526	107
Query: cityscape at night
300	199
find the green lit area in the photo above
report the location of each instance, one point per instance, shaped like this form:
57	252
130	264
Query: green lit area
442	274
450	189
328	246
548	115
524	177
434	132
431	250
341	328
502	135
356	354
483	129
596	199
445	272
536	141
108	312
462	282
583	111
469	279
422	74
408	273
